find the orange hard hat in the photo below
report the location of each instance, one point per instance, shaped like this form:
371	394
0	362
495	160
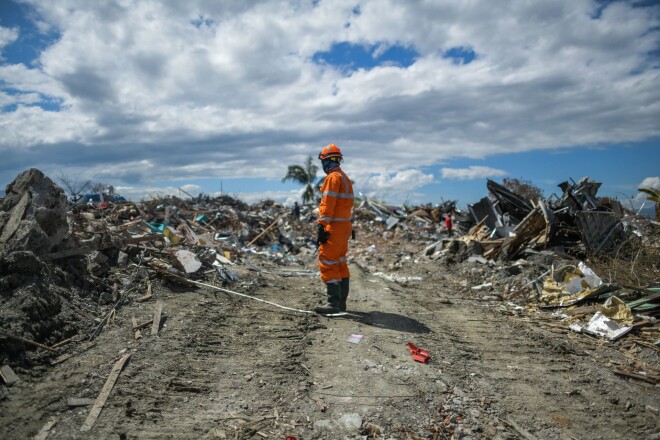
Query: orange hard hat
330	151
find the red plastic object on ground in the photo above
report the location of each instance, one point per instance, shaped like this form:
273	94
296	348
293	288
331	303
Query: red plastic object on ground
419	354
290	437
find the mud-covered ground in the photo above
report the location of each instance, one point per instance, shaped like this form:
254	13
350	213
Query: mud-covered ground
223	366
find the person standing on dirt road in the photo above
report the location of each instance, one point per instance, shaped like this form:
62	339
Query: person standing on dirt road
334	230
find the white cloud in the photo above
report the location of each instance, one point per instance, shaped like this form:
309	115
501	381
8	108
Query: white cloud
640	199
471	173
650	182
394	186
284	197
7	36
148	192
151	192
154	90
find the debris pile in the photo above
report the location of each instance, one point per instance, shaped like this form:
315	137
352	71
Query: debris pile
36	296
585	261
577	223
64	270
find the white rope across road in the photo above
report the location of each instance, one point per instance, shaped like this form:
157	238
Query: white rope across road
250	297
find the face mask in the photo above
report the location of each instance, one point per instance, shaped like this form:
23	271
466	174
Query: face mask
329	165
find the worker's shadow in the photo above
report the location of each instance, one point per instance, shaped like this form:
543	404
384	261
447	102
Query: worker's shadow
390	321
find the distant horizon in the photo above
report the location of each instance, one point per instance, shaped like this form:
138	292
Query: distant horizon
643	208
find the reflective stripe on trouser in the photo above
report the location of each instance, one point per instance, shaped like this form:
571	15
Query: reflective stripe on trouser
332	255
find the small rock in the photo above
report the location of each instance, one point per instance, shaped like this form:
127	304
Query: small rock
351	421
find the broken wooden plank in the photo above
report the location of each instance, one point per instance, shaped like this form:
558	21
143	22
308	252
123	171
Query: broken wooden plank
138	333
69	253
64	342
149	293
43	433
88	249
143	325
105	393
649	379
141	238
74	402
144	298
156	323
27	341
266	230
8	375
518	429
60	359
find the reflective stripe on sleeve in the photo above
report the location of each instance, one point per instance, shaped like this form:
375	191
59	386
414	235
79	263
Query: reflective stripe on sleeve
343	177
335	219
338	195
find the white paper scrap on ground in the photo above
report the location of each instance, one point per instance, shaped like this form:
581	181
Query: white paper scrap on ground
354	339
601	325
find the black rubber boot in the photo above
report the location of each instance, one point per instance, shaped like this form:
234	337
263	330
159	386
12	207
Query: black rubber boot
344	294
334	296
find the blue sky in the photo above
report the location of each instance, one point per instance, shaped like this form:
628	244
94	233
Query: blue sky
427	100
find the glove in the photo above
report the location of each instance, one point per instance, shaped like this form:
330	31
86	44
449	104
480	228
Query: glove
323	235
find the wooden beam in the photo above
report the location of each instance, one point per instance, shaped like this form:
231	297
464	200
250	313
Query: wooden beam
145	324
43	433
27	341
74	402
156	323
141	238
64	342
267	229
138	333
105	393
102	246
8	375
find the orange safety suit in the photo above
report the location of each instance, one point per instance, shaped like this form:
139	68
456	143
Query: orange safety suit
335	212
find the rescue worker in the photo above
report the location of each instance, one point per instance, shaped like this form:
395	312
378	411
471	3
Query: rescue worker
448	225
334	230
295	212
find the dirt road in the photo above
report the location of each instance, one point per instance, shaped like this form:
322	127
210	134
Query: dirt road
228	367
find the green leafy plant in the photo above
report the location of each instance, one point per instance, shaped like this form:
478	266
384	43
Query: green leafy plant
306	176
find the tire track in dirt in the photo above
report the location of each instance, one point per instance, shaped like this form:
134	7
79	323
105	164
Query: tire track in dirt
538	379
229	362
224	366
219	366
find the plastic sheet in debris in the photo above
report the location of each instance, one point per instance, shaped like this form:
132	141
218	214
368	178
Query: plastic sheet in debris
617	310
569	285
398	279
601	325
391	222
171	235
225	274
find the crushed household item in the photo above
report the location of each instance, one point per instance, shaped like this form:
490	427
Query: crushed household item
601	325
418	354
569	285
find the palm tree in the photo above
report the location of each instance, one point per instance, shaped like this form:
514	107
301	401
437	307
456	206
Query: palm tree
304	176
653	196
